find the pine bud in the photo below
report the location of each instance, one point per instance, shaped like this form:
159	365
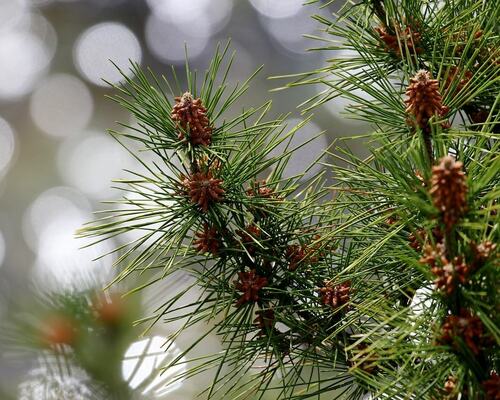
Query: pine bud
335	296
465	326
191	116
208	240
492	387
203	189
449	190
424	100
404	39
249	283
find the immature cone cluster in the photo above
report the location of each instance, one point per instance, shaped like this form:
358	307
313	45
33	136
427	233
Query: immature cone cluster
448	273
405	38
450	386
454	74
207	240
191	116
424	100
492	387
203	189
297	254
58	330
335	296
465	326
264	320
483	251
249	284
449	190
260	189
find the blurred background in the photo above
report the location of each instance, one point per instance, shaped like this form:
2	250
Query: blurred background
56	161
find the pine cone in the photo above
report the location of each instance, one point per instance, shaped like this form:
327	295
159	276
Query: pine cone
191	116
260	189
466	326
264	320
449	190
407	37
249	284
335	296
417	238
208	240
203	189
295	254
492	387
453	75
424	100
483	251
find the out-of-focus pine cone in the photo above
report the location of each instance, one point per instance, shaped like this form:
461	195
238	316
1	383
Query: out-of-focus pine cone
191	116
264	320
465	326
249	284
404	38
455	78
295	254
449	190
203	189
483	251
424	99
207	240
335	296
492	387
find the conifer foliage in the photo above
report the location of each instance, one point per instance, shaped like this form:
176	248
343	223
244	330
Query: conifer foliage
390	290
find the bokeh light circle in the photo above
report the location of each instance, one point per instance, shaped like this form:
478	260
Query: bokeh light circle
7	146
168	43
62	262
102	43
277	8
91	161
23	59
142	363
62	105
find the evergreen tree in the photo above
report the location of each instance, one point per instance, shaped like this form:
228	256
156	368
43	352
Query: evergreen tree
389	289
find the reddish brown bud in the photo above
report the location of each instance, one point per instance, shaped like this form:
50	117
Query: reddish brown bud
465	326
190	115
203	189
335	296
208	240
249	283
449	190
424	99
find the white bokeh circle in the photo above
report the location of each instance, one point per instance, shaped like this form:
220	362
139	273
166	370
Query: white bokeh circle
62	105
102	44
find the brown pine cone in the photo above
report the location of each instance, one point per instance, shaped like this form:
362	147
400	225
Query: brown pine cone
208	240
191	116
404	38
453	76
466	326
335	296
424	99
264	320
449	190
492	387
203	189
249	284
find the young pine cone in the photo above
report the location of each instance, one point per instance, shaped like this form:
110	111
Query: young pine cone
492	387
203	189
207	240
249	284
335	296
191	116
465	326
406	38
449	190
424	100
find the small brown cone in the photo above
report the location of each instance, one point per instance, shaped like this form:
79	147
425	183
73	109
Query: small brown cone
191	116
335	296
423	99
203	189
58	330
449	190
207	240
249	284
